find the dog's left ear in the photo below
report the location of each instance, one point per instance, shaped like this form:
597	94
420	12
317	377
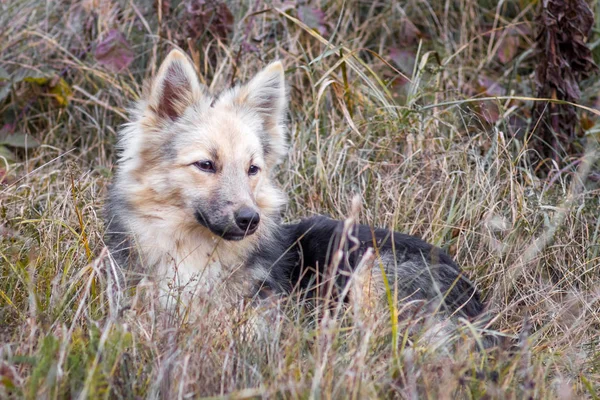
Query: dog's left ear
175	87
265	94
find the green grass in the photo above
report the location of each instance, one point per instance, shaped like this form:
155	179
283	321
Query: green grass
421	157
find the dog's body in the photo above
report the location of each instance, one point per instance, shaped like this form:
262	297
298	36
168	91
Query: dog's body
353	256
193	204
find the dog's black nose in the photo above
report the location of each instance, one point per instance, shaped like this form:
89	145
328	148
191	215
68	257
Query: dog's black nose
247	219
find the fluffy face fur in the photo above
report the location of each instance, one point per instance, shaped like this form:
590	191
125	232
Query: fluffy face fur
191	166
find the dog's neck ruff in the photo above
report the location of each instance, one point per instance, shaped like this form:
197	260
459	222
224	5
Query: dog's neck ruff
190	262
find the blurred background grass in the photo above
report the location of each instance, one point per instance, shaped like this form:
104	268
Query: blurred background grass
385	103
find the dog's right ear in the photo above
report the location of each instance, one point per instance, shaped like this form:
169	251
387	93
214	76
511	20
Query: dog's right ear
175	87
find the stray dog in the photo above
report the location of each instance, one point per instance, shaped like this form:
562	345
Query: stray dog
193	204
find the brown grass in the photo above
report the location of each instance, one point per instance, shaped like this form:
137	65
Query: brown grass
443	172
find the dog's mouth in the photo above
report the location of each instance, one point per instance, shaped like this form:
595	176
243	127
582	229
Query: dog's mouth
229	232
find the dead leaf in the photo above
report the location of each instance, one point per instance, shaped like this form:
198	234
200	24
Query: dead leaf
6	154
489	86
9	377
61	91
58	87
313	17
4	84
508	48
114	52
490	111
29	75
517	124
587	121
19	140
564	60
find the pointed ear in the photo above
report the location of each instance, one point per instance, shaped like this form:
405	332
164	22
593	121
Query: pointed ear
265	94
175	87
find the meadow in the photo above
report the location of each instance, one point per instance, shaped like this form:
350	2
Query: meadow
422	110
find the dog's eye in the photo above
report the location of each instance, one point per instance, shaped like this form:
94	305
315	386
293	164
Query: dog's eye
206	166
253	170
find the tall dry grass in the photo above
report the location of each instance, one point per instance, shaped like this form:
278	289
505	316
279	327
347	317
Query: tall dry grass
423	155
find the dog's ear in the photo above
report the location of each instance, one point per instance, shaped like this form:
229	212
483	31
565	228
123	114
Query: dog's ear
175	87
265	95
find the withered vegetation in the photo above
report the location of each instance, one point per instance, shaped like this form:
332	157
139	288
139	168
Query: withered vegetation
423	109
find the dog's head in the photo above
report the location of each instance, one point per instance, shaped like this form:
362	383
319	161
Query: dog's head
195	159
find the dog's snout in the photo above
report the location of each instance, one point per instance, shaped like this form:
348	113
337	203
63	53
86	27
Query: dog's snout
247	219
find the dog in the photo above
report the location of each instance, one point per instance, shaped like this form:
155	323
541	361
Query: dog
193	204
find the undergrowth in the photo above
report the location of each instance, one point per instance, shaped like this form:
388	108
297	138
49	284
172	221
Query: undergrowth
387	103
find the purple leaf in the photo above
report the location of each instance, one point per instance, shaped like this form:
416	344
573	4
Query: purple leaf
114	51
490	111
491	87
508	49
313	17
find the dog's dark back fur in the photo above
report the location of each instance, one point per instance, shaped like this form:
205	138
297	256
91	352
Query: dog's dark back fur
301	256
